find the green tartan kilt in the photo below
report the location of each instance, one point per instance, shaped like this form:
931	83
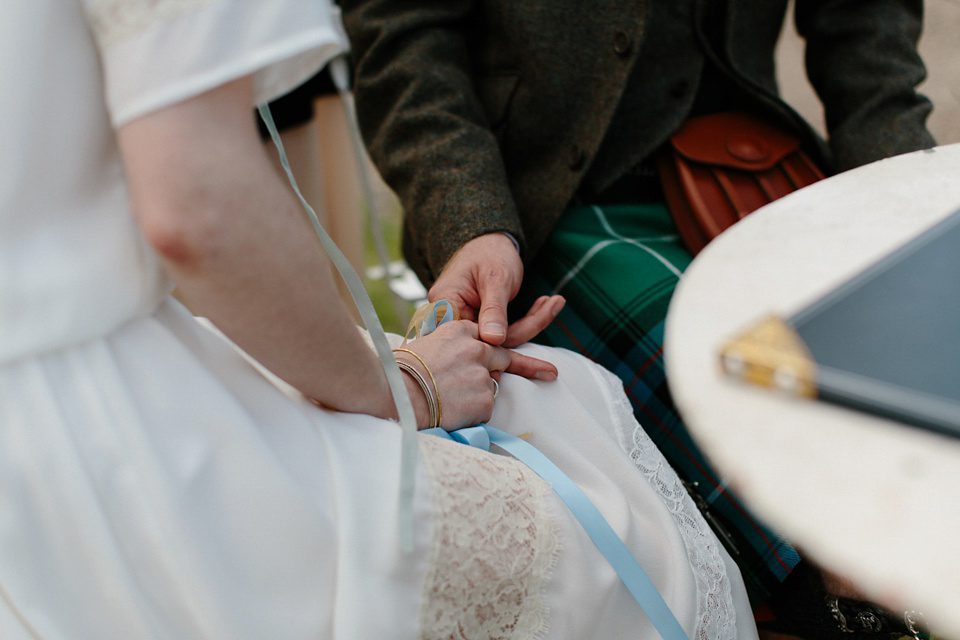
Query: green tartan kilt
617	266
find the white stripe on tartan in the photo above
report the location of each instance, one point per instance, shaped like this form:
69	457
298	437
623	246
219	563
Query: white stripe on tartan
594	250
597	248
639	242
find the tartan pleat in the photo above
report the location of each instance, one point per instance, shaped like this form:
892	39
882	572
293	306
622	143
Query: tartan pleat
618	266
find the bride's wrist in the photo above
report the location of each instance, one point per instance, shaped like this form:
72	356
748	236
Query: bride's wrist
418	398
426	402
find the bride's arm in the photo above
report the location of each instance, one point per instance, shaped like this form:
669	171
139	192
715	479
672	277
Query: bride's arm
235	241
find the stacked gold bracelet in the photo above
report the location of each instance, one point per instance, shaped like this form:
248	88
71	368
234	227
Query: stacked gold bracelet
431	391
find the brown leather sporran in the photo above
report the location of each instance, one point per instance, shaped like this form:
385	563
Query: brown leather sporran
719	168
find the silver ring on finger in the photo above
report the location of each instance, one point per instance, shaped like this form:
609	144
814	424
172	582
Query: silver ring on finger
496	387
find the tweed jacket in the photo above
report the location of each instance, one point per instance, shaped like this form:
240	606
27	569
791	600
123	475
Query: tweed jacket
486	115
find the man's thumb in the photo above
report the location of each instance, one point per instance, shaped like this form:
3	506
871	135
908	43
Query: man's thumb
492	319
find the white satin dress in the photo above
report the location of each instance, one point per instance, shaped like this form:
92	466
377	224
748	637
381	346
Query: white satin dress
153	484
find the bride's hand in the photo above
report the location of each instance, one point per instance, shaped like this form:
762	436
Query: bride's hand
464	369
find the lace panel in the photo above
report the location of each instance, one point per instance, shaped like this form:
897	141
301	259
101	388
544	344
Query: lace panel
494	544
115	20
716	615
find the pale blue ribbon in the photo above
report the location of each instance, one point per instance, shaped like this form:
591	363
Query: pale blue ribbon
613	549
428	317
408	420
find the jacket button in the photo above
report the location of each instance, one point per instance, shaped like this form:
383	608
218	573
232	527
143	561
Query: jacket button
622	43
577	158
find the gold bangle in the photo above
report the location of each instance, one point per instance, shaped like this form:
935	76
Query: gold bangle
431	400
436	390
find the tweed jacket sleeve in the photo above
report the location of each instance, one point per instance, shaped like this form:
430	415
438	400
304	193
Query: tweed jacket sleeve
862	60
425	127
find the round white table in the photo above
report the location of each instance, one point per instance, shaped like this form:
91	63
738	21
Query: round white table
871	499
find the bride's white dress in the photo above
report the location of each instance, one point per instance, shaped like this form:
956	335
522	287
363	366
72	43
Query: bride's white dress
154	485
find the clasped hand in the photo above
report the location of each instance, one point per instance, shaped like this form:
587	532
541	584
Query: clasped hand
463	367
480	279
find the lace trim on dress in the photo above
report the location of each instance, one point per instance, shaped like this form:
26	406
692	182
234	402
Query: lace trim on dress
494	545
716	615
116	20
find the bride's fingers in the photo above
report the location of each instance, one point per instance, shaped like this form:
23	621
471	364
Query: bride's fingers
529	367
497	358
492	357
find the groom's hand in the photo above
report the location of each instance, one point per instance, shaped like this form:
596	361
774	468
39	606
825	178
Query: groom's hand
480	280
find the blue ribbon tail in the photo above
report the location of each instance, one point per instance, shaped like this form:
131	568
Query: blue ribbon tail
613	549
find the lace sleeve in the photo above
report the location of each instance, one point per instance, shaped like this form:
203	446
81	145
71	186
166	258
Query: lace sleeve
493	546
